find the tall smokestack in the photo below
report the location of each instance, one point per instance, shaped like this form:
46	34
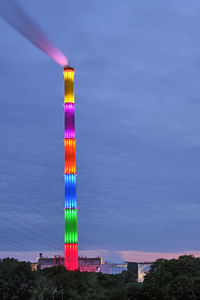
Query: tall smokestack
71	234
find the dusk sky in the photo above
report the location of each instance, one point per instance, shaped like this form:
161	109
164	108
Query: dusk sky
137	91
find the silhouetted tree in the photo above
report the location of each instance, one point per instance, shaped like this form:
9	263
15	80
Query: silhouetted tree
16	280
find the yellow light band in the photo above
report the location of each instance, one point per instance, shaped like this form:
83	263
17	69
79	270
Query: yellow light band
69	85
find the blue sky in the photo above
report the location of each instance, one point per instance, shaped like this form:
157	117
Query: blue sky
137	127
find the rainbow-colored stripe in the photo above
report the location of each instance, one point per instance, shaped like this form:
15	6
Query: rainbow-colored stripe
71	232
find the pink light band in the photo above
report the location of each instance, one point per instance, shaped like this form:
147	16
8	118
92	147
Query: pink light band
69	121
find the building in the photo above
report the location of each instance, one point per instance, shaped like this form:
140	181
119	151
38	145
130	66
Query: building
143	268
34	266
48	262
139	269
85	264
89	264
111	268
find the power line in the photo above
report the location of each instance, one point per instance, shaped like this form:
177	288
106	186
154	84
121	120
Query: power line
35	226
27	236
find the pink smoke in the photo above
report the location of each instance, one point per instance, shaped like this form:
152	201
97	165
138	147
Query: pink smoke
15	15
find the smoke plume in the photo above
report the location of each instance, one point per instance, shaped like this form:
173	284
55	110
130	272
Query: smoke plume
15	15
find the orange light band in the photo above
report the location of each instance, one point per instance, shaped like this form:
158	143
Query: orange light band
70	156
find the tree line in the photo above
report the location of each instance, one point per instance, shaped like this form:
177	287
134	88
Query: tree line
175	279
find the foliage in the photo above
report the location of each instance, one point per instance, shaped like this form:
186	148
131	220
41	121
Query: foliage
175	279
16	280
167	280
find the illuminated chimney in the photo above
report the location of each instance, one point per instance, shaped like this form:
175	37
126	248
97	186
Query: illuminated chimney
71	234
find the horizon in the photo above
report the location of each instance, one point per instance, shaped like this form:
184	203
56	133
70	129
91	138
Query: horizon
107	256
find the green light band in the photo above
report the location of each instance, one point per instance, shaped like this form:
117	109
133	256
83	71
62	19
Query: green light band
71	235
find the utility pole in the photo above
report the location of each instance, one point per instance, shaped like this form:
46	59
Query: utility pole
53	292
62	292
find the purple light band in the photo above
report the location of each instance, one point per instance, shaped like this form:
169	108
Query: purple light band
69	121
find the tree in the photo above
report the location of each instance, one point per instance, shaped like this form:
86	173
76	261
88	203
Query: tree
173	279
181	288
16	280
